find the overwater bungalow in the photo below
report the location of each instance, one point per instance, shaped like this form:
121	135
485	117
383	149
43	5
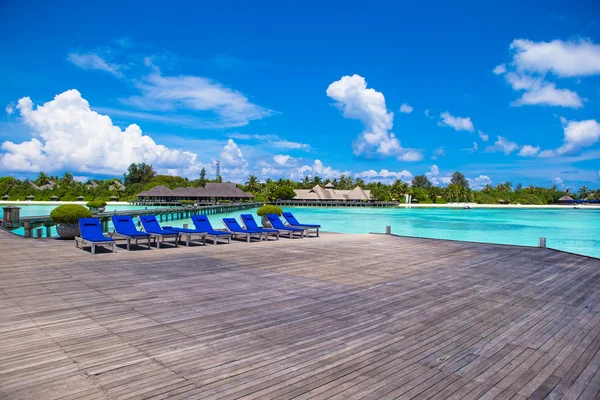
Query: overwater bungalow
329	193
212	192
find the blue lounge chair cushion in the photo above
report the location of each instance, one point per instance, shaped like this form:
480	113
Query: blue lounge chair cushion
202	224
233	226
251	224
151	225
125	226
90	230
289	217
277	224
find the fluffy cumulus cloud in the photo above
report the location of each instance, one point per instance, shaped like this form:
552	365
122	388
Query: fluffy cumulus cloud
367	105
384	175
479	182
318	169
232	156
93	61
406	109
284	160
529	151
483	136
458	123
436	177
533	62
68	135
577	135
558	182
502	145
564	59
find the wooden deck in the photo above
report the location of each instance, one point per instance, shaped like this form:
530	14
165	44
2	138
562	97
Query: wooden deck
340	316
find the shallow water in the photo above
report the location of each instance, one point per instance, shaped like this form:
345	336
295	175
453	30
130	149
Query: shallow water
574	230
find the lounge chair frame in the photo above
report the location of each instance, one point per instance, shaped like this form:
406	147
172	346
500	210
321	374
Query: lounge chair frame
267	231
129	239
81	242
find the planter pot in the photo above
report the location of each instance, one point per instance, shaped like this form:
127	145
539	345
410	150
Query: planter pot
101	209
265	222
94	210
67	231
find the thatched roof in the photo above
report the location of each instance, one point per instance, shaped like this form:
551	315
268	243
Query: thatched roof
319	193
30	196
329	186
80	197
5	196
565	199
212	190
54	197
157	191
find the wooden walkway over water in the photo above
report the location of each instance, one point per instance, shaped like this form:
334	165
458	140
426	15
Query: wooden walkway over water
340	316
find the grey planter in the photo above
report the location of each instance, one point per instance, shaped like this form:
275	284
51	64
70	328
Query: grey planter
67	231
265	222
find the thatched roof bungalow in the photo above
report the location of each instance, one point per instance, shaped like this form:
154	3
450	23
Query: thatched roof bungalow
215	191
329	193
566	199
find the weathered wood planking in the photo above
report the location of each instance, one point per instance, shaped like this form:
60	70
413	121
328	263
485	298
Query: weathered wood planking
340	316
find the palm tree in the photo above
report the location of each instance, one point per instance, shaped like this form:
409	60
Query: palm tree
583	193
317	180
306	182
42	178
252	184
67	179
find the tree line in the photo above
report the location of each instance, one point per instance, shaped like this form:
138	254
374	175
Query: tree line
142	176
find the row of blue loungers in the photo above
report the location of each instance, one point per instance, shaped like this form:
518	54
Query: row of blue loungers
124	228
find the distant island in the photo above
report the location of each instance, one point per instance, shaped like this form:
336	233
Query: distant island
142	177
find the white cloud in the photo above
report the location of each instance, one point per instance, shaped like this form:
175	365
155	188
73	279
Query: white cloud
558	182
232	156
532	62
284	160
368	106
318	169
503	145
272	140
564	59
426	112
384	175
577	135
483	136
540	92
479	182
500	69
458	123
529	151
405	108
68	135
168	93
410	156
10	109
436	177
475	147
92	61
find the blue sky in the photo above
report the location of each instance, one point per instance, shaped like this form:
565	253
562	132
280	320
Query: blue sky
381	91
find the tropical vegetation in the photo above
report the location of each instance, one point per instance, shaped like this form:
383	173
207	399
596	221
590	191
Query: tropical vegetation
69	213
140	177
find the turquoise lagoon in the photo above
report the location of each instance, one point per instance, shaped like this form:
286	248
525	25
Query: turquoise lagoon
568	229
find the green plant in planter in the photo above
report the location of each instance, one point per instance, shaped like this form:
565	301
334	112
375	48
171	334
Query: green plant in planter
269	209
69	214
188	202
96	204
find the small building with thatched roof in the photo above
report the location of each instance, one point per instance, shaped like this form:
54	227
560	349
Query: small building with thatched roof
117	186
5	197
329	193
80	198
114	198
30	197
215	191
566	199
54	198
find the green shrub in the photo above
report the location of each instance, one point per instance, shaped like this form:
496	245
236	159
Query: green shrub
69	214
188	202
426	201
96	204
440	200
284	193
269	209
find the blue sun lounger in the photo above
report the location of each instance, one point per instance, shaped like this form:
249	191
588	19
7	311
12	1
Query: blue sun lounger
202	224
236	230
277	224
90	233
292	221
125	229
250	223
151	225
